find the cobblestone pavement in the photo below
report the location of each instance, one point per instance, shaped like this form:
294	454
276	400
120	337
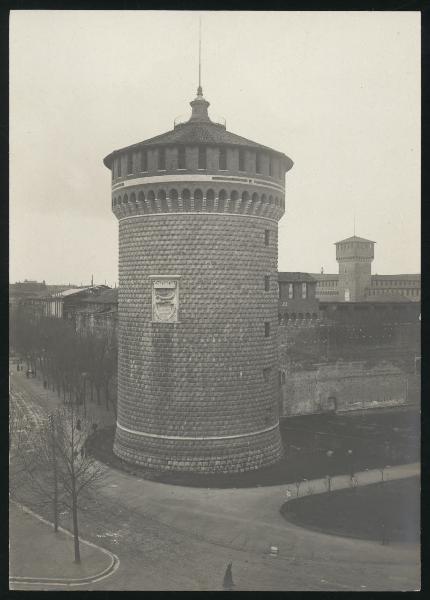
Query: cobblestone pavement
178	538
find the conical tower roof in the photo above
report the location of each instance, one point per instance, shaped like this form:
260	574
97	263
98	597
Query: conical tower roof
199	129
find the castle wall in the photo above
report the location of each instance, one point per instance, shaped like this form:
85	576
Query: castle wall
343	387
370	360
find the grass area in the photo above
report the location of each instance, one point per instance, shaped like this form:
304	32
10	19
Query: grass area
37	551
374	441
385	512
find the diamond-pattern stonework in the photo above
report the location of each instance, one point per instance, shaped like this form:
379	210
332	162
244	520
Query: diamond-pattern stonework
201	377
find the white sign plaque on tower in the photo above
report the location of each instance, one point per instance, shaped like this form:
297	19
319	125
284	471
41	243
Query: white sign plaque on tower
165	298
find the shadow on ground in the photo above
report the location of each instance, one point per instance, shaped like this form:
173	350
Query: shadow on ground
314	446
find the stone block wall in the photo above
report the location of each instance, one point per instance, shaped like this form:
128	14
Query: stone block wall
343	387
192	395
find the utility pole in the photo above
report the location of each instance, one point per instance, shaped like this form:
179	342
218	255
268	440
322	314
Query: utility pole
54	463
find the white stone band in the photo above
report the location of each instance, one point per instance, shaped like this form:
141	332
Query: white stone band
199	212
209	437
176	178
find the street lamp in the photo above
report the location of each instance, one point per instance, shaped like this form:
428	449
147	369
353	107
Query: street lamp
84	378
351	464
329	455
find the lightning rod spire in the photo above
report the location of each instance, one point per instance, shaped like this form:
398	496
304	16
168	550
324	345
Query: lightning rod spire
199	89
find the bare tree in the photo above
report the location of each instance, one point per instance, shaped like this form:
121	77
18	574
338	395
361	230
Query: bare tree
60	469
67	359
20	433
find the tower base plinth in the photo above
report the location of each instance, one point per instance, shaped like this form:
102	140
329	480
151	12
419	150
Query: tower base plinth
236	455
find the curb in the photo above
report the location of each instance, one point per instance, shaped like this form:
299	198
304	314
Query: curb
113	566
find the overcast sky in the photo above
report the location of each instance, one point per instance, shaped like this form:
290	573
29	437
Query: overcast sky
337	92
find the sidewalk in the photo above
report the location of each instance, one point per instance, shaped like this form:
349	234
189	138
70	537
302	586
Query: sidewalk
246	518
342	482
40	556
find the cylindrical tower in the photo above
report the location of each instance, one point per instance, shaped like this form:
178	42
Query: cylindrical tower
197	377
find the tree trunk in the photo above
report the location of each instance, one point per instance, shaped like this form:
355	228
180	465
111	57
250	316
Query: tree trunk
98	395
75	524
107	396
54	468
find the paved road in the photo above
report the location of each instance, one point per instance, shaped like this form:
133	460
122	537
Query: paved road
177	538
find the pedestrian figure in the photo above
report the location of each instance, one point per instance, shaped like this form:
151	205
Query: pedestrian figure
228	578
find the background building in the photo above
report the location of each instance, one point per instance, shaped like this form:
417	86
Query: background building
297	297
355	283
355	256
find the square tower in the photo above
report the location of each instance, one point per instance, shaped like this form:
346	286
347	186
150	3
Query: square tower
355	256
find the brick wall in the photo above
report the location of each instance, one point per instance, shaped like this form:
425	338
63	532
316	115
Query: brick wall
203	376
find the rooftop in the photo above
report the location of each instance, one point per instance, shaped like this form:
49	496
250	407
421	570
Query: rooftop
199	129
95	289
287	276
105	297
410	276
355	238
324	276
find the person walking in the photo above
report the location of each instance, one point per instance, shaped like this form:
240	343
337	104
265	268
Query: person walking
228	578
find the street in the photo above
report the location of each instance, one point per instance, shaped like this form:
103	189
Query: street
177	538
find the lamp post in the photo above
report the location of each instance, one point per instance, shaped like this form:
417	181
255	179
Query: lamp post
84	379
351	463
329	455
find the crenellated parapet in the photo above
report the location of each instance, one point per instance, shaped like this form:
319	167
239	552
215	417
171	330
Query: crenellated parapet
192	198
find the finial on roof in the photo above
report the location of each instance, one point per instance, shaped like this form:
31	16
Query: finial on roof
199	104
199	89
